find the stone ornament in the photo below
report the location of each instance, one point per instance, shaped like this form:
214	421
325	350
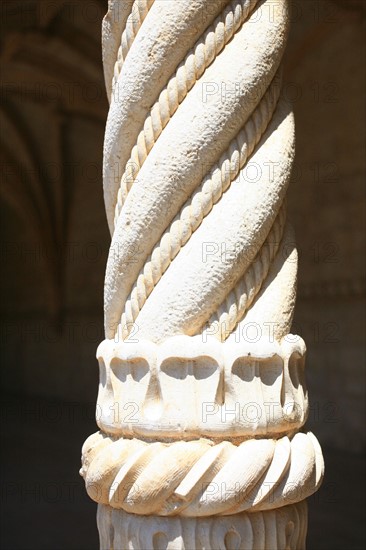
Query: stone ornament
281	528
186	387
198	478
202	387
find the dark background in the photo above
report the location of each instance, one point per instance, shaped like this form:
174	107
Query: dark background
54	244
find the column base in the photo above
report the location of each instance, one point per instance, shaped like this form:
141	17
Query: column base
280	529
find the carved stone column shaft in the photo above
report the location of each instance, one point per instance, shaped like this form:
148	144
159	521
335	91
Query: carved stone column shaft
202	387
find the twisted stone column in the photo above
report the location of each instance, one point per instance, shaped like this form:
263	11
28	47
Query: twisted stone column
202	391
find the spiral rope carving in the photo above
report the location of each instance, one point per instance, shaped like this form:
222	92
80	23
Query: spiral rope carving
140	9
189	71
152	233
200	205
237	302
199	478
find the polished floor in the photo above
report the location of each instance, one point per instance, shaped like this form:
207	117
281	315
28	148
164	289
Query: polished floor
44	505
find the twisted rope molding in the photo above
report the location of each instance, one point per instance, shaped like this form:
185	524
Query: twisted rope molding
189	71
239	300
139	10
125	267
282	528
199	478
199	205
